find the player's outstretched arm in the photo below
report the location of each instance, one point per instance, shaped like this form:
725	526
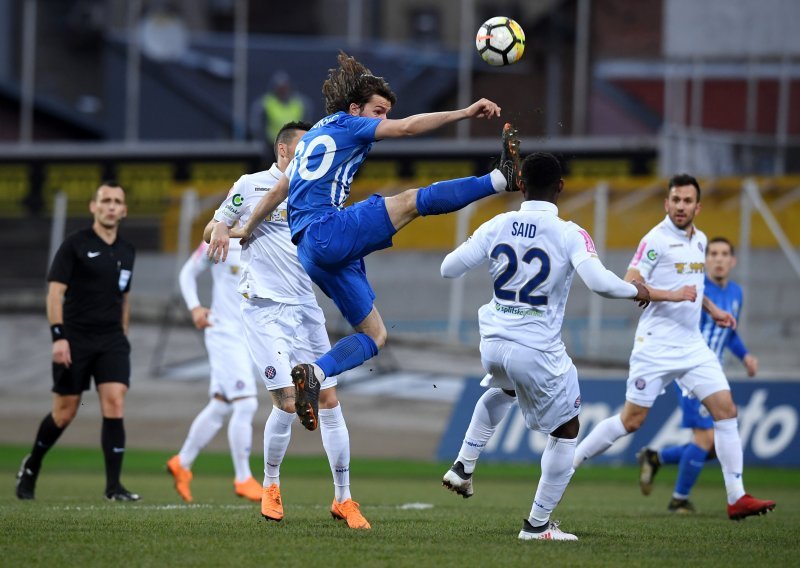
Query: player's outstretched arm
426	122
602	281
720	317
682	294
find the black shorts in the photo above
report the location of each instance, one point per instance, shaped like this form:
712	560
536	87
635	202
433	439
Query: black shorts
106	358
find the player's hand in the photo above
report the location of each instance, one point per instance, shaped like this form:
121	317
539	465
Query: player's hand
751	364
642	294
200	317
483	108
219	243
686	294
724	319
242	232
61	353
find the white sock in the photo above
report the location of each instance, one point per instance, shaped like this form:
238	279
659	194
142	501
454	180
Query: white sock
277	433
599	439
557	470
489	411
498	180
204	427
728	445
318	372
240	436
336	441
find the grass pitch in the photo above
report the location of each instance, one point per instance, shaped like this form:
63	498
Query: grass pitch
415	521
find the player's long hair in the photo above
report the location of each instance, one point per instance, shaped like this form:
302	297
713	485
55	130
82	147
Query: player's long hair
350	83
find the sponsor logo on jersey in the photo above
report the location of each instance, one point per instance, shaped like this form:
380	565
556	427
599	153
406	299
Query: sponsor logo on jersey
93	254
260	189
278	216
270	372
640	384
577	402
673	245
517	311
237	200
651	254
700	246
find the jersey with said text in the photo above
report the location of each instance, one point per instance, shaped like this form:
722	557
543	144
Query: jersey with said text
532	256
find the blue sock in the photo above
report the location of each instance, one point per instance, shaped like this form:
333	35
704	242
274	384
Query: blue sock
452	195
348	353
692	462
672	454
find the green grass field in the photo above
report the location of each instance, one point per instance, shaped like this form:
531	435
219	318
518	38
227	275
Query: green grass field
70	524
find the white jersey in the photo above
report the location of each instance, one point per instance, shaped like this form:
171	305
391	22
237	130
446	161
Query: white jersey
533	255
225	310
668	259
271	268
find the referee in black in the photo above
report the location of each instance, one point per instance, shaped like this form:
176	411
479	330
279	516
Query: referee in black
88	310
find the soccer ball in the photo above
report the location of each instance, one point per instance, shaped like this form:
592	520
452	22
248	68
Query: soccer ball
500	41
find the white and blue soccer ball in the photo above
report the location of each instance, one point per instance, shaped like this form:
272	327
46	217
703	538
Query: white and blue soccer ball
500	41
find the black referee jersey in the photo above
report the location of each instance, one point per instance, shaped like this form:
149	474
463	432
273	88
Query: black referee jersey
97	275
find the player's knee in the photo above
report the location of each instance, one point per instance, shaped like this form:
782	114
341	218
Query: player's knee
63	416
632	422
287	405
283	399
725	411
568	430
704	439
721	406
328	398
380	337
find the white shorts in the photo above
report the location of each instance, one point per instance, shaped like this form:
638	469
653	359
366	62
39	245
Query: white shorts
232	373
547	400
653	367
279	336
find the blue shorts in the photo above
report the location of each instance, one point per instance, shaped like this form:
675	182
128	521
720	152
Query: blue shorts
332	249
695	415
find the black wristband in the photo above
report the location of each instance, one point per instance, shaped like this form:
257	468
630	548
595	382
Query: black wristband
57	332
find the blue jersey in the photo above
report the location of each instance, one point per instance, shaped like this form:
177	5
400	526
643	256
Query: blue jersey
718	338
325	161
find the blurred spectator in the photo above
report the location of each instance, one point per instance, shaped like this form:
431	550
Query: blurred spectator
278	106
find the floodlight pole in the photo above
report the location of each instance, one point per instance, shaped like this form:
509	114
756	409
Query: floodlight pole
465	54
240	70
580	95
132	75
28	72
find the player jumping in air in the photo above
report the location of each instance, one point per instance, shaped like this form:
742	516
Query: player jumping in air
332	240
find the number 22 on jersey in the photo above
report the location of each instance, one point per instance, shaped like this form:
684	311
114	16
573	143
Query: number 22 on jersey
525	293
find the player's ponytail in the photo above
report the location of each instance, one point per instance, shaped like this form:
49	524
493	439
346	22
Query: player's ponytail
350	83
